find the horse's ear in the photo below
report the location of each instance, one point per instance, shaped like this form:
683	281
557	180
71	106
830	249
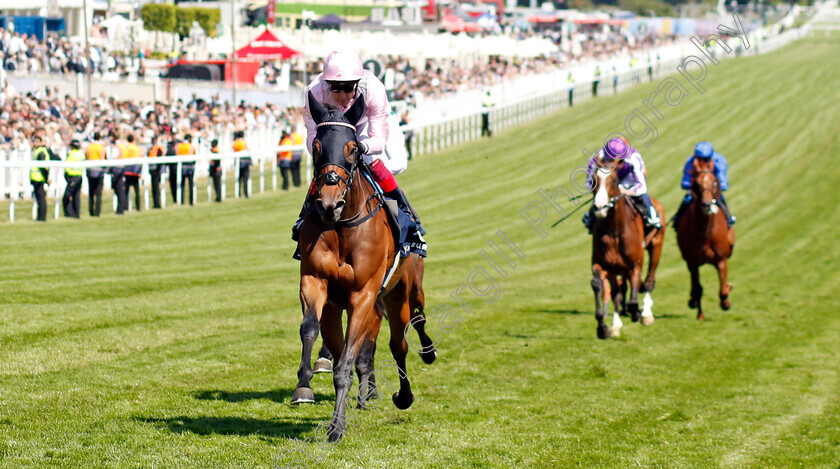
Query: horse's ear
357	110
316	109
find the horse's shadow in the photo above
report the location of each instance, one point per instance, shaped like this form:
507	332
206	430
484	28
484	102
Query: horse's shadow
280	396
235	426
563	311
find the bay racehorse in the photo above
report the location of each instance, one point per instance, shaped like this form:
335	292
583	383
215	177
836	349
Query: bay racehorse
347	249
618	247
704	236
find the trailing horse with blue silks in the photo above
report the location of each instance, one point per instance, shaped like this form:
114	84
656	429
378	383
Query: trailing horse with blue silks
703	234
350	261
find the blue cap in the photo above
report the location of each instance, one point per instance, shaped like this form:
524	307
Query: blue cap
704	150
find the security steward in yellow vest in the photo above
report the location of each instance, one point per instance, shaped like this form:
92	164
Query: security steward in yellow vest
155	171
72	194
95	176
188	167
284	159
39	176
297	156
216	170
244	162
132	173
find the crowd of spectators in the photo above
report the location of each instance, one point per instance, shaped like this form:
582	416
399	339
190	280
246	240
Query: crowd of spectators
26	54
64	118
442	77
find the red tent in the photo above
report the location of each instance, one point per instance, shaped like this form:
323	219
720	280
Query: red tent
266	47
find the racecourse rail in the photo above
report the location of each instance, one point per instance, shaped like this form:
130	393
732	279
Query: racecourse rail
429	138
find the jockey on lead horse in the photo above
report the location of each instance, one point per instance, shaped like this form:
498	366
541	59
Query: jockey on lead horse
342	82
632	180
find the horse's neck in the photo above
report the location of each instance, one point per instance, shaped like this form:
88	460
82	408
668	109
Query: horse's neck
703	221
619	216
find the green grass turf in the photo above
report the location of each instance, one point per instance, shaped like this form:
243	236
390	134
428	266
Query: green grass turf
170	339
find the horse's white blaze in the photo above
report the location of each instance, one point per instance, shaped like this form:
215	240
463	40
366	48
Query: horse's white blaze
647	304
602	198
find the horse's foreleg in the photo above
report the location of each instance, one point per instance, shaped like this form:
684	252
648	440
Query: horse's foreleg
725	288
618	301
598	287
313	297
365	362
635	286
696	291
360	314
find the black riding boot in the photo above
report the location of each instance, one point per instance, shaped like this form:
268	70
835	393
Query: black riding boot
587	218
649	213
730	219
402	202
676	218
296	227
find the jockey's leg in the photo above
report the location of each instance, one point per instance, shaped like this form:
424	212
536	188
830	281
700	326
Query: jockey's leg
686	201
648	210
386	181
730	219
303	211
587	218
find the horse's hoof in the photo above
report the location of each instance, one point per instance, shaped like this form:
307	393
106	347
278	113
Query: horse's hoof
335	433
303	396
616	332
692	304
701	317
633	309
429	357
647	320
322	365
603	332
401	403
725	305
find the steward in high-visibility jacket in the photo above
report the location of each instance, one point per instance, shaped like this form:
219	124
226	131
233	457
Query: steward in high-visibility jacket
39	176
72	198
132	172
244	162
188	167
284	159
155	171
95	176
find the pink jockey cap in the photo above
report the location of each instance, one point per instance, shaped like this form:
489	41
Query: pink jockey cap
343	65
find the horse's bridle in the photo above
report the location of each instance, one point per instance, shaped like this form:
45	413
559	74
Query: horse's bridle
702	190
332	178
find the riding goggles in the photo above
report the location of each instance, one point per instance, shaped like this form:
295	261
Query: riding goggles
345	86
